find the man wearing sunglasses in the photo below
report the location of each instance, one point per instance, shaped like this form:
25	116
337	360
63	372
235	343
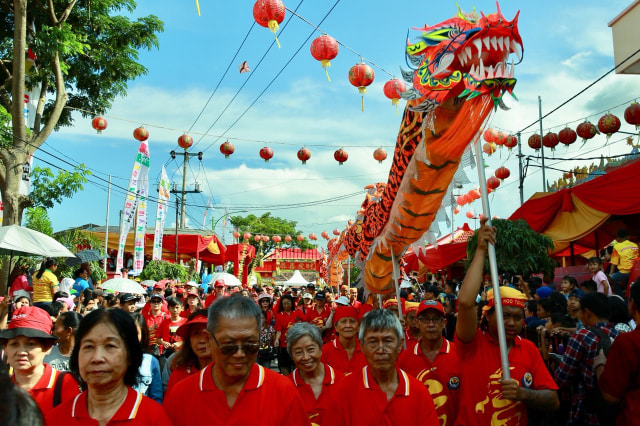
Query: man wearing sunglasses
234	389
433	360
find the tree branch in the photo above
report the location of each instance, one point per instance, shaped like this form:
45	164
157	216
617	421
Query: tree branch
17	87
40	108
67	11
5	69
52	14
58	107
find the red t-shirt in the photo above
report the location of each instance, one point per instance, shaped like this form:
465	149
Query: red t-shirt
168	330
481	391
136	409
310	403
179	374
266	399
621	376
146	309
358	400
316	318
285	320
153	324
20	283
336	356
42	391
442	377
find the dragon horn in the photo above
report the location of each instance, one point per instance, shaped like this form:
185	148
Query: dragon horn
499	12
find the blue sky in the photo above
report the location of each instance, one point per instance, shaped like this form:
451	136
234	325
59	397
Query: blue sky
567	45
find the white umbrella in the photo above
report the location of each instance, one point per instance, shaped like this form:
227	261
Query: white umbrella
18	241
229	280
148	283
123	285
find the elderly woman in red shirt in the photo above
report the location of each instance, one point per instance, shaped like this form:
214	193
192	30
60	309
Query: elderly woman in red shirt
313	378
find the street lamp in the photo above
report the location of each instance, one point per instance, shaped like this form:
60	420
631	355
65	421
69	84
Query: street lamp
225	215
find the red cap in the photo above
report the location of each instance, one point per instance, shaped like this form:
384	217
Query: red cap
430	304
158	285
345	312
219	283
192	293
29	321
184	330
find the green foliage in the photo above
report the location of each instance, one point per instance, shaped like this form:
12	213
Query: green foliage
355	273
5	122
38	220
48	189
269	225
77	240
159	270
519	249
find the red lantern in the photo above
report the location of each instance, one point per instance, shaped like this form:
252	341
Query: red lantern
246	235
325	235
380	154
276	238
341	156
474	194
456	210
550	140
502	173
141	134
324	49
586	130
489	148
467	198
501	139
336	232
609	124
470	215
490	135
460	200
361	75
287	238
313	237
269	14
227	149
392	90
567	136
236	234
185	141
511	142
535	142
631	114
265	238
303	155
300	237
99	123
257	238
266	153
493	182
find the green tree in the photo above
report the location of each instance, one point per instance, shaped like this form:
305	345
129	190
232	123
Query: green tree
519	249
76	240
48	189
38	220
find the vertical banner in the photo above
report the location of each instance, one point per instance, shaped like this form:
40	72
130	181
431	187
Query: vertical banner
161	213
141	227
139	172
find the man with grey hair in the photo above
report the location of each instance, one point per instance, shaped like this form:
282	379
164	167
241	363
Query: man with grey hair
381	393
234	389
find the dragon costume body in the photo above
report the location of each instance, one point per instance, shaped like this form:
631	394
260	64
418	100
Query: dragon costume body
461	74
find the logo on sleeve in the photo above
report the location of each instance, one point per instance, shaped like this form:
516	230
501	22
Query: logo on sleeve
454	383
527	380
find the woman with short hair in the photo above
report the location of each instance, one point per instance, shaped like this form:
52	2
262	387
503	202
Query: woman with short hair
64	329
45	282
107	357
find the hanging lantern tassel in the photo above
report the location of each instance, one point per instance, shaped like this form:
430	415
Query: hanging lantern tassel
362	90
395	101
326	64
198	7
274	27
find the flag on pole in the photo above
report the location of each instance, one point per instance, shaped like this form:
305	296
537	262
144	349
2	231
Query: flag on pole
141	227
138	174
161	213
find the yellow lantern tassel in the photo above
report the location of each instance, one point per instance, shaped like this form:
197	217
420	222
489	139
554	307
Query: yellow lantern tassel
395	102
274	27
198	7
326	64
362	90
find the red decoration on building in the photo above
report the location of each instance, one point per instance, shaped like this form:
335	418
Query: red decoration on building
392	90
567	136
502	173
380	154
324	49
341	156
586	130
489	148
361	75
266	153
490	135
609	124
550	140
631	114
185	141
300	237
493	182
227	149
246	235
287	238
303	155
141	134
99	123
511	142
269	14
535	142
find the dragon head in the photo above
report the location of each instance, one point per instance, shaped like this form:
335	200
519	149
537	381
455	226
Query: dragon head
465	56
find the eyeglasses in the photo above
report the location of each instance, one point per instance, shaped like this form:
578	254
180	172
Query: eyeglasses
427	320
387	347
247	348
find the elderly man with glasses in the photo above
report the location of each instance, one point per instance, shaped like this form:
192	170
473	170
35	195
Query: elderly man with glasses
381	393
433	360
234	390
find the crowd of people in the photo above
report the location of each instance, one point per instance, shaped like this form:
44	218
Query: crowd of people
183	355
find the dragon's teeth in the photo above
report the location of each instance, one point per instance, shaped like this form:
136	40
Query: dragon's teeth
500	39
494	43
478	43
486	42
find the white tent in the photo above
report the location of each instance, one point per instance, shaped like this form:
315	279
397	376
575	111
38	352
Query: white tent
296	280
